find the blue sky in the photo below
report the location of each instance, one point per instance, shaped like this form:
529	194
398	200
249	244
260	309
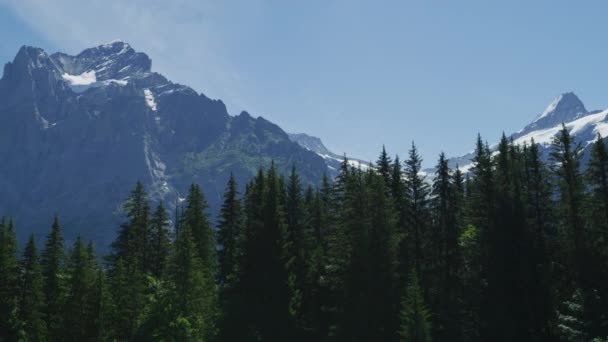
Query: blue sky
358	74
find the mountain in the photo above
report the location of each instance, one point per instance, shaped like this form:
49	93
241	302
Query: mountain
332	160
566	108
78	131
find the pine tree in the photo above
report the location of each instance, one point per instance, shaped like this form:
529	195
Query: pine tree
415	317
417	191
53	287
31	298
229	229
384	168
350	253
128	264
298	247
262	312
192	315
383	293
9	269
566	157
315	217
481	206
445	251
77	309
196	217
133	236
160	241
504	299
538	194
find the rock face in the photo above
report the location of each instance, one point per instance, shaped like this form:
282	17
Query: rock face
566	108
77	132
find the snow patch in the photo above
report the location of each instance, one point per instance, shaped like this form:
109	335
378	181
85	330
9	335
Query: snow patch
88	79
545	136
84	79
150	101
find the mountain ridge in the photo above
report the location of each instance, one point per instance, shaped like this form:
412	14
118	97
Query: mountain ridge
80	130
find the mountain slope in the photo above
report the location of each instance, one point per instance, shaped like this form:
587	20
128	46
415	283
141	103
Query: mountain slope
332	159
78	131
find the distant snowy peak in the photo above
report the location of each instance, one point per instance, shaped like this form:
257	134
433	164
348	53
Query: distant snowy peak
564	108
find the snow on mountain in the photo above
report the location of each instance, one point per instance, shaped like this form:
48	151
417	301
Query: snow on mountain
150	99
84	79
565	109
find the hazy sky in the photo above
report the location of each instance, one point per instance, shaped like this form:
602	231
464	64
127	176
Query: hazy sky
358	74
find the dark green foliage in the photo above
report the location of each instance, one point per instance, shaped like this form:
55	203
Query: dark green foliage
513	250
128	264
53	280
81	306
9	281
195	216
229	229
415	317
31	298
416	194
445	260
191	295
159	241
566	158
384	168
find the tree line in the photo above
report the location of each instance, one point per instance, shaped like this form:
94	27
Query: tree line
514	249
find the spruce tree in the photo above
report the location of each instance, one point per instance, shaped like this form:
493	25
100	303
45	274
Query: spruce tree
444	263
195	219
31	298
417	191
298	248
539	202
481	208
229	229
383	293
128	264
565	155
195	216
52	262
77	309
192	315
384	168
504	299
160	241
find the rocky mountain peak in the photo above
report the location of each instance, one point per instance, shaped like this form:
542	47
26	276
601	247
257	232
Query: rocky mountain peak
115	60
564	108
